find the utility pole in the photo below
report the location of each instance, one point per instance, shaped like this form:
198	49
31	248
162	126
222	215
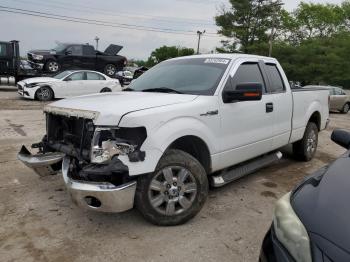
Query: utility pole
273	29
97	39
199	33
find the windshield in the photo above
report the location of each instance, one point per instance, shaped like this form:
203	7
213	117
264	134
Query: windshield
62	74
196	76
60	47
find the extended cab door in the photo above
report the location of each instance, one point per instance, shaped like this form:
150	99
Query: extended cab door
282	103
246	127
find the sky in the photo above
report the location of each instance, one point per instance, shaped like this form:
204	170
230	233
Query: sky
181	19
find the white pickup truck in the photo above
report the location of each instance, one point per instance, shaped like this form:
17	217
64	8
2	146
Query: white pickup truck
185	123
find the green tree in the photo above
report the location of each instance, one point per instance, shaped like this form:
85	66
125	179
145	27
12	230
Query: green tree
166	52
247	22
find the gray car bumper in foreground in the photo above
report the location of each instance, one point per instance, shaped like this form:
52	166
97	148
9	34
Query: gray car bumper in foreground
97	196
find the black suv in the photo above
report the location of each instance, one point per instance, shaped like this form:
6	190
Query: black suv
78	56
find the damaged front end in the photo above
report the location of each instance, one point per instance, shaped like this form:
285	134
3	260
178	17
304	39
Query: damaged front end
94	175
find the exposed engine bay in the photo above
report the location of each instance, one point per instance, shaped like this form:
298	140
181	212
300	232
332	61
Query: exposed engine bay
93	150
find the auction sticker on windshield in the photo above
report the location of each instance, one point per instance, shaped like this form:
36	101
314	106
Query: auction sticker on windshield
216	61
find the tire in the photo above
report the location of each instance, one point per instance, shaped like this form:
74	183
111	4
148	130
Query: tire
105	90
166	204
110	70
44	93
52	66
305	149
346	108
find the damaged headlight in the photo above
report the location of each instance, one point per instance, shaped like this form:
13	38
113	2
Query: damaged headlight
290	231
110	142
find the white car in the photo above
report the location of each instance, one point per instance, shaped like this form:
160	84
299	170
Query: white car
183	123
67	84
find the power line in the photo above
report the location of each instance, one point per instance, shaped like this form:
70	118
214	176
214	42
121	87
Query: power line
95	22
93	10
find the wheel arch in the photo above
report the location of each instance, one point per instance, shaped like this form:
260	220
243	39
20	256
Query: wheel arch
316	119
196	147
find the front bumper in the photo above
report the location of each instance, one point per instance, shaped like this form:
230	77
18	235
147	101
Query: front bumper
36	65
272	250
99	196
96	196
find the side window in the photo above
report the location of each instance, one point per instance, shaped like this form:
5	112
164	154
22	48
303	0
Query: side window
3	51
94	76
88	50
77	76
75	50
246	73
277	84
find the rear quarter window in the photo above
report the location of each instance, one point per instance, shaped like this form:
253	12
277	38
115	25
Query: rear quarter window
276	81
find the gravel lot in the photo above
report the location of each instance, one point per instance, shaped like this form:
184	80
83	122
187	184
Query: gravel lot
40	223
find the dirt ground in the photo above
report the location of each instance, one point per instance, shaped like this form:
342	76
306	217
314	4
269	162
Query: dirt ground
40	223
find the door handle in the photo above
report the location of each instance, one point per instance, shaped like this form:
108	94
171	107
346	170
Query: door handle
269	107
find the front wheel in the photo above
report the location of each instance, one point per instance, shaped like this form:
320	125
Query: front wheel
305	149
44	93
346	108
110	70
175	192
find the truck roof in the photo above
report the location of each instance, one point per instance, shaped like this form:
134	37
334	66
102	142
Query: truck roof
233	56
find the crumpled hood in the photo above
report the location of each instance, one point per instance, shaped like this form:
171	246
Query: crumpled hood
109	108
39	80
323	207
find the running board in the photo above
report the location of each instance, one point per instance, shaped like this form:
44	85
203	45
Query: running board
244	169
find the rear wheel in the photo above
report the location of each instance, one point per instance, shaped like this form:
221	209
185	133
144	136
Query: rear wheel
305	149
110	70
106	90
52	66
175	192
44	93
346	108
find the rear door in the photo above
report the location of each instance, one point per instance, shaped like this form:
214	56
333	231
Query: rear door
94	82
338	99
246	127
282	103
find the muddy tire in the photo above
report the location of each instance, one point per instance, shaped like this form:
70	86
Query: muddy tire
52	66
346	108
44	93
305	149
175	192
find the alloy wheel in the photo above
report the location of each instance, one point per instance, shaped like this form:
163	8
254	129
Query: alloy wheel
172	190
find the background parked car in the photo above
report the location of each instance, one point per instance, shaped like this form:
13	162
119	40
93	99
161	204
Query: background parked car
312	222
67	84
124	77
78	56
339	100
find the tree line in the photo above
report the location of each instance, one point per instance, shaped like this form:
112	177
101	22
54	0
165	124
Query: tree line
311	42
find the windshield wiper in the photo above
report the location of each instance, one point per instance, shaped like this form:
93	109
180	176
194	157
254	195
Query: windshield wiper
162	90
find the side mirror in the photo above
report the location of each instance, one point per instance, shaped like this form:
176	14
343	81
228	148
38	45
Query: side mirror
68	52
68	79
243	92
341	137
